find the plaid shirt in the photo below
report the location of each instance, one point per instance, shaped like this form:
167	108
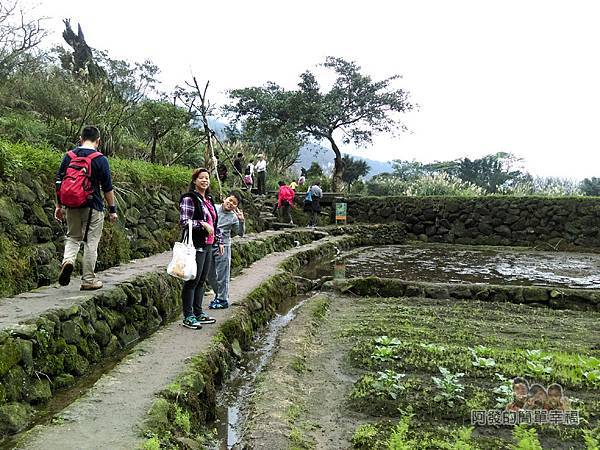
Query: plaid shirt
186	212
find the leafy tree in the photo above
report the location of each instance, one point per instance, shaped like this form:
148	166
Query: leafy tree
408	170
489	172
314	172
159	118
355	105
590	186
109	89
353	169
279	142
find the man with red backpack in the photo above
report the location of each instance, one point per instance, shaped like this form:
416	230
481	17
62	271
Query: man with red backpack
82	173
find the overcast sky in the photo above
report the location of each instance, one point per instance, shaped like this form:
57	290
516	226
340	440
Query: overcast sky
516	76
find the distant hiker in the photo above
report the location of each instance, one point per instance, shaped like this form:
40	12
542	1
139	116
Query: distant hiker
285	201
231	220
249	175
261	174
302	178
293	185
238	165
221	170
315	193
82	173
197	205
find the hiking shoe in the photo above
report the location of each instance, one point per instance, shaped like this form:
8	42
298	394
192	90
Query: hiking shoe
204	318
92	286
192	322
65	273
217	304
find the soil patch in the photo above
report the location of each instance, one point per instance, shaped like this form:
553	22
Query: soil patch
364	373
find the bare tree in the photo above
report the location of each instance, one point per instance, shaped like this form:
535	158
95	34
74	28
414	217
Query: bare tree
19	34
195	100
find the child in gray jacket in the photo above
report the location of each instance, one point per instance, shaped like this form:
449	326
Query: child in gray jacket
231	220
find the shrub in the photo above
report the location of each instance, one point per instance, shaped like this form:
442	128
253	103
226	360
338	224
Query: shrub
427	185
17	127
543	186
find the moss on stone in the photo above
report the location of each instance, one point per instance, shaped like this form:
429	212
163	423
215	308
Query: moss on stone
579	299
10	355
38	392
158	416
114	247
14	383
63	380
15	271
75	363
14	417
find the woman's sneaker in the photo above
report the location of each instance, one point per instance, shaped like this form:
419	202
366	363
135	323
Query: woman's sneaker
217	304
192	322
204	318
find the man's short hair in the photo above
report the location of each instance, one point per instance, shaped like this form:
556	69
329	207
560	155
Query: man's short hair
90	133
240	154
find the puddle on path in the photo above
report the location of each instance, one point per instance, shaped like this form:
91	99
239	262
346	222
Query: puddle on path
444	263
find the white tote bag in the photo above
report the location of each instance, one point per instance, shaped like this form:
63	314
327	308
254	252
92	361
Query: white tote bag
183	262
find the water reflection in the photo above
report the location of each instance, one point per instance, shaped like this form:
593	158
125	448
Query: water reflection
452	263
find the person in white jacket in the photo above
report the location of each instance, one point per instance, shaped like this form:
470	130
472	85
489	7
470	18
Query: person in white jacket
261	174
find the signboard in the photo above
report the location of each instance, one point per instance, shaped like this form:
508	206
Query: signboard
340	212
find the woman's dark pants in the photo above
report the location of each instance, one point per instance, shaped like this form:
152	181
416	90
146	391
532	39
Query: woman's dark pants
193	290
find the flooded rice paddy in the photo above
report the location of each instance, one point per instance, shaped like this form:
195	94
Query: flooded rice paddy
467	264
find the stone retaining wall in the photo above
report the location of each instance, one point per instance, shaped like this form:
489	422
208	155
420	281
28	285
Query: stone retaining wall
32	242
546	222
552	297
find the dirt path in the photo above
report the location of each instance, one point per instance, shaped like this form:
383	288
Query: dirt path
107	416
299	399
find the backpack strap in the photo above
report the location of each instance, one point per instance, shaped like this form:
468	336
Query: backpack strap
94	155
91	156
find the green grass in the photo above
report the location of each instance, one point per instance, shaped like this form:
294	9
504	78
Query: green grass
15	158
419	338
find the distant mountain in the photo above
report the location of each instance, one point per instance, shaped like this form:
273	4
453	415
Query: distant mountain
324	156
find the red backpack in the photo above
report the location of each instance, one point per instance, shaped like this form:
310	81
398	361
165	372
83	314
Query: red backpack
76	190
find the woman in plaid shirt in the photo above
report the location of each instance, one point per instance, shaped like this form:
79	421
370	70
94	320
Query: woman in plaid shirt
197	205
